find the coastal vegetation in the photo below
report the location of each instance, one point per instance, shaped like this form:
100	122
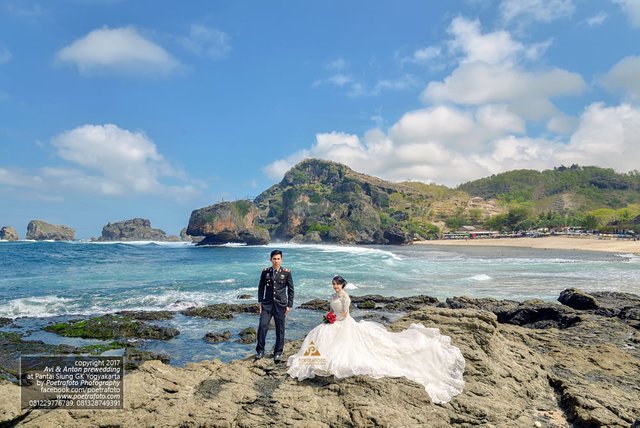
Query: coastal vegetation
589	197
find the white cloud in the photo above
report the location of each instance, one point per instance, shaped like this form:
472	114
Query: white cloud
339	80
537	10
337	65
422	56
107	160
491	48
17	178
124	161
607	137
624	78
491	71
631	8
20	9
562	124
416	148
527	93
402	83
120	51
207	42
5	55
359	89
596	20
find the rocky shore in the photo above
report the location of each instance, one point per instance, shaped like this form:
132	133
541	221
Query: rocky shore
136	229
533	363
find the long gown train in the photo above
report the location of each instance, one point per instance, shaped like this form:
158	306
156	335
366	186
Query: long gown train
349	347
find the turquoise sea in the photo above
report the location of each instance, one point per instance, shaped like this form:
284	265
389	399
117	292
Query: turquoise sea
41	282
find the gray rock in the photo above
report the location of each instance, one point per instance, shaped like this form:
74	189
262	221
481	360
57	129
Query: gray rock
188	238
39	230
383	303
228	222
213	337
577	299
221	311
531	313
137	229
395	236
8	233
248	335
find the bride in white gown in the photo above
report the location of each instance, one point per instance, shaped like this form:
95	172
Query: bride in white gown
348	348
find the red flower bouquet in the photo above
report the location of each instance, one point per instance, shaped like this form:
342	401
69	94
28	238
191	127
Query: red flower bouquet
329	318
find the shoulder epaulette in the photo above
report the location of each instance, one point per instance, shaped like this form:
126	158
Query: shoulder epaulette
265	269
286	270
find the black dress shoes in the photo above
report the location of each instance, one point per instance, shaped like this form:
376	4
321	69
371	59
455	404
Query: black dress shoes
277	358
259	355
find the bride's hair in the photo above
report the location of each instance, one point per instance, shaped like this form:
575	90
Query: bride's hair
339	280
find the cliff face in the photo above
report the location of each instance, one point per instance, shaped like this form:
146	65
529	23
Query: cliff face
40	230
137	229
8	233
228	222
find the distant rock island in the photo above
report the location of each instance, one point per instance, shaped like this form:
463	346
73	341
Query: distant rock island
136	229
8	233
322	201
39	230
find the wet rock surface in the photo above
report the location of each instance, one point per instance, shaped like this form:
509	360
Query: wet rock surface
221	311
110	327
213	337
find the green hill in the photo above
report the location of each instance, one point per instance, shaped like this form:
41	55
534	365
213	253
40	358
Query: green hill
325	201
576	188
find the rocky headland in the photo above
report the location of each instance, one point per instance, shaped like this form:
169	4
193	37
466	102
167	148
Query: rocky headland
533	363
39	230
8	233
321	201
228	222
137	229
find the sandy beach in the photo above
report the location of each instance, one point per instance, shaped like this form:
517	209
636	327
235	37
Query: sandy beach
582	243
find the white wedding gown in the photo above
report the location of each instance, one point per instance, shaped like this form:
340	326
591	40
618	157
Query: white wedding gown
348	348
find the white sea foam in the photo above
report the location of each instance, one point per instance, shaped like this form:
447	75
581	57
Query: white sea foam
37	307
140	243
227	245
631	258
338	249
223	281
480	277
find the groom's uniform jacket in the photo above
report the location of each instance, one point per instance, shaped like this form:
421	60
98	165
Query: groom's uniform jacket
276	287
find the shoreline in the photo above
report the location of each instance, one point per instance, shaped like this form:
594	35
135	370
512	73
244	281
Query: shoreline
578	243
531	363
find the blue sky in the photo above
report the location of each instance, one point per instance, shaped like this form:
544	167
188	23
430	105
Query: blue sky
112	109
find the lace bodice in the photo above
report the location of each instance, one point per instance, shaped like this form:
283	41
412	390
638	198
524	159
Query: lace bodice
340	303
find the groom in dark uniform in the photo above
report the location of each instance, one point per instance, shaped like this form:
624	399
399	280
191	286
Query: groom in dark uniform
275	299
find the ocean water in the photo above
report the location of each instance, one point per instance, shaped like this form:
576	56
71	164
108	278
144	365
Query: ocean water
43	282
